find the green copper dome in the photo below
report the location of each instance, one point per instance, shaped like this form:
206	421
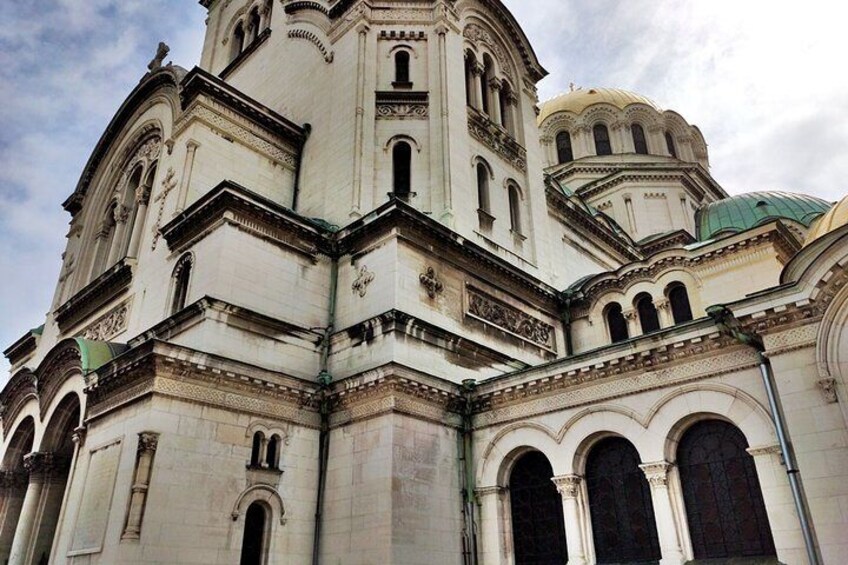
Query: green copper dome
745	211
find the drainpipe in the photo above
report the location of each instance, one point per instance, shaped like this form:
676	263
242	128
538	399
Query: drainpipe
729	325
307	129
324	381
469	497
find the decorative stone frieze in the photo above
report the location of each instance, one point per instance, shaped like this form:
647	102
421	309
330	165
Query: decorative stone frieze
109	325
509	318
403	105
497	139
431	282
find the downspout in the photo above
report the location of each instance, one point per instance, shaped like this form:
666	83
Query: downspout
729	325
469	496
324	381
307	129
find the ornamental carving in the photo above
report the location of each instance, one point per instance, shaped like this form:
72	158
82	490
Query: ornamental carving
314	40
431	282
402	111
477	34
656	473
568	486
360	284
109	325
45	465
497	139
828	390
148	442
509	318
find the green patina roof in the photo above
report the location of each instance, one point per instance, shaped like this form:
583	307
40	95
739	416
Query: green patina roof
745	211
95	354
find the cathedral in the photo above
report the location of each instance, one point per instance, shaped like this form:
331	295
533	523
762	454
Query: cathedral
348	293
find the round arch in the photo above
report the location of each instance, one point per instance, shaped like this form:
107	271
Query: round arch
259	493
512	442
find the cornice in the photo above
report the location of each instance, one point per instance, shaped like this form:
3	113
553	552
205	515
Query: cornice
94	295
20	389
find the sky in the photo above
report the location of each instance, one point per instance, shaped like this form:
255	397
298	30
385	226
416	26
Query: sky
763	80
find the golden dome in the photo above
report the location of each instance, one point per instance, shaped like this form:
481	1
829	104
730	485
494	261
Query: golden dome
834	219
578	100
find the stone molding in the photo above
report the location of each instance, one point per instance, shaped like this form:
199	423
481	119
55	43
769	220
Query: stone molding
510	319
95	294
760	450
403	105
20	389
312	38
497	139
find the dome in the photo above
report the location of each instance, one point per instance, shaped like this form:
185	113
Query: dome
745	211
578	100
834	219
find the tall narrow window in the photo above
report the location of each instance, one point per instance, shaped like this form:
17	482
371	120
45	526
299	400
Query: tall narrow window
616	323
648	316
402	170
483	188
256	449
538	527
678	297
401	68
253	25
237	42
273	449
563	145
504	97
602	140
469	78
515	209
669	142
488	75
253	544
182	278
640	144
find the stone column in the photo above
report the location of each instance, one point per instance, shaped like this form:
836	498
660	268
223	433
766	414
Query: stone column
447	214
569	488
142	197
13	487
42	468
664	312
633	328
477	80
147	444
495	101
491	501
582	144
359	124
669	537
511	106
188	166
122	214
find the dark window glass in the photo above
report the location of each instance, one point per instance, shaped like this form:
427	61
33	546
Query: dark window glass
724	502
679	300
623	521
256	450
402	162
482	187
238	42
503	96
640	144
402	67
617	324
253	27
514	209
488	74
254	535
669	141
648	316
181	282
271	458
538	528
469	78
563	144
602	140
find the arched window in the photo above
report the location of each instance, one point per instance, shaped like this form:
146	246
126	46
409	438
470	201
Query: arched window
402	68
616	323
669	142
623	523
488	75
678	297
602	140
253	25
640	144
563	144
483	188
721	491
470	63
182	278
505	99
256	449
273	452
269	10
648	316
538	528
253	547
237	41
402	170
103	241
514	208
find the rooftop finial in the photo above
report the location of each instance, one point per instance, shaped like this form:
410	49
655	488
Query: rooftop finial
571	87
161	52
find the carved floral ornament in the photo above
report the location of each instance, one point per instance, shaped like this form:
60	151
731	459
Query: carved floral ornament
109	325
431	282
568	485
509	318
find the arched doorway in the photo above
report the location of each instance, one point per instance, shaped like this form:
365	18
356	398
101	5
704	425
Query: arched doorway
14	483
724	502
623	522
254	542
538	528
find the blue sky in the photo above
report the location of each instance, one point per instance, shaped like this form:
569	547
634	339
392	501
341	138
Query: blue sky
763	80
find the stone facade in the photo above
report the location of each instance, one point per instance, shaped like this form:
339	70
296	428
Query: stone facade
324	294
